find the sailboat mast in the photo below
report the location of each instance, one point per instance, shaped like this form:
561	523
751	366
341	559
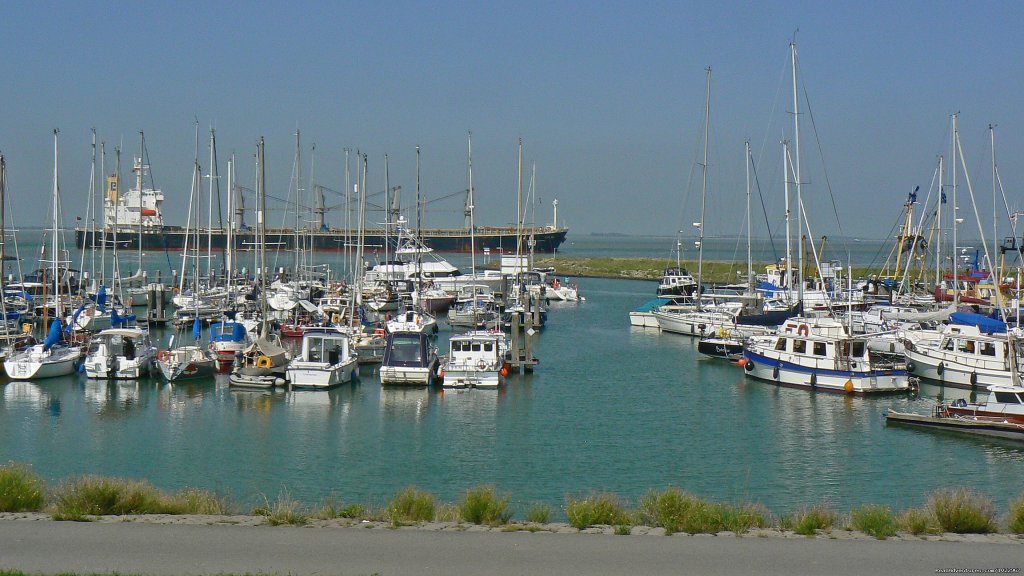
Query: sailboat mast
142	164
472	226
261	227
956	249
789	231
995	220
298	201
209	216
750	262
229	245
704	190
419	252
519	210
797	175
938	219
56	227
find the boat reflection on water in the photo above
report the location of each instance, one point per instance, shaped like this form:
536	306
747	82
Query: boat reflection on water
258	400
112	397
175	397
318	402
25	394
938	392
405	401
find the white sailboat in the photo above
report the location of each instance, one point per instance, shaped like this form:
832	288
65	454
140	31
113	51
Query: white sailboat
51	358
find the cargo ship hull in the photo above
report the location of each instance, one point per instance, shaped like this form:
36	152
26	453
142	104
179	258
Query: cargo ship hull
172	238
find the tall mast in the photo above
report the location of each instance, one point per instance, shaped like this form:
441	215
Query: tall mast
704	190
229	241
956	220
298	201
789	233
419	216
938	219
214	188
995	220
472	226
90	214
261	230
56	226
750	262
796	175
142	164
519	210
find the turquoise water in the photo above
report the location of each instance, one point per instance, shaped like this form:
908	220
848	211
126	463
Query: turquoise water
609	408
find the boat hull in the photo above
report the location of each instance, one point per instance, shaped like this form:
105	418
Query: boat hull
498	239
838	381
956	374
320	375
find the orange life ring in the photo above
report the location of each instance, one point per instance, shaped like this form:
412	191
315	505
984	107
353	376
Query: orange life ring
164	355
505	369
378	332
802	330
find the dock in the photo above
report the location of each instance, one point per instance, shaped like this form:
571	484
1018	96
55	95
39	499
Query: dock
940	419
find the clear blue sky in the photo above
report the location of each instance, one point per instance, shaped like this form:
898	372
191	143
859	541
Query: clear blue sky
607	97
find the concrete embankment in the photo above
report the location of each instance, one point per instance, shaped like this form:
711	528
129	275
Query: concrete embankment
178	545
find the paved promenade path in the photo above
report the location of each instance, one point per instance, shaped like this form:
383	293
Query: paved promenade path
143	548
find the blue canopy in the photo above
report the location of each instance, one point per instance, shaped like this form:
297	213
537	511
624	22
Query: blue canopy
101	299
197	329
54	336
984	323
227	332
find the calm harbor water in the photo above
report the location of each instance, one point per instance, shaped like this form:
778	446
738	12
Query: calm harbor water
609	408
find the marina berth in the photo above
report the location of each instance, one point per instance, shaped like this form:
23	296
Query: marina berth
1001	416
477	359
819	354
324	361
410	359
963	356
120	353
1004	403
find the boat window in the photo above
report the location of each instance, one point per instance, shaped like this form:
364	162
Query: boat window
1007	398
780	344
800	346
858	349
488	346
965	346
819	348
988	348
948	345
476	346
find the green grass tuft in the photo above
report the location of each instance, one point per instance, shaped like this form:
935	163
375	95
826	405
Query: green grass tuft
809	520
96	496
539	513
285	511
411	506
963	511
678	511
332	507
917	522
1015	520
874	520
483	505
198	501
21	489
595	509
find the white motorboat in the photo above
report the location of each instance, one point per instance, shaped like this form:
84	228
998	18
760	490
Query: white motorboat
119	353
326	360
819	354
477	359
961	356
409	359
412	321
227	340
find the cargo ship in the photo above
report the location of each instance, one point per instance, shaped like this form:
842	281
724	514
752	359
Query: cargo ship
136	216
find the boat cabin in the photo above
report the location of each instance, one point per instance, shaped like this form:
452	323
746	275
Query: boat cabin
325	347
